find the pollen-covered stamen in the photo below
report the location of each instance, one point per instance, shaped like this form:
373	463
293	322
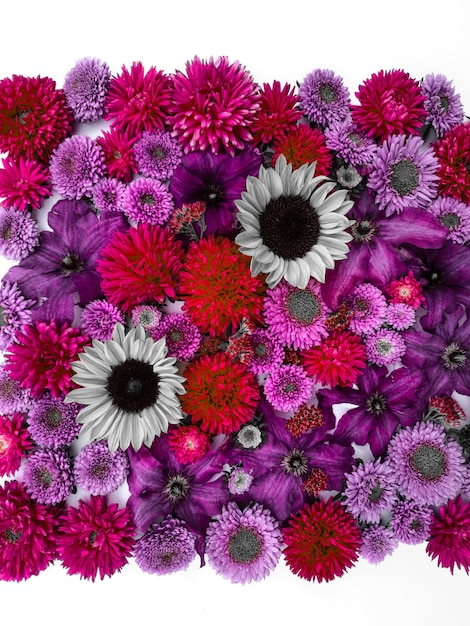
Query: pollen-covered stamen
376	492
11	536
295	462
376	403
245	545
363	231
213	194
454	356
450	220
176	488
428	461
327	93
71	263
54	417
404	177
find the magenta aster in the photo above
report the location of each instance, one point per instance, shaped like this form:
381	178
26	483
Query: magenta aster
77	164
99	318
450	532
24	183
277	114
117	146
48	476
14	443
85	88
188	443
108	194
268	353
182	336
368	309
288	387
147	201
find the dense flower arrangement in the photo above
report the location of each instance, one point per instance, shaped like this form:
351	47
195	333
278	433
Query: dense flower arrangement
242	334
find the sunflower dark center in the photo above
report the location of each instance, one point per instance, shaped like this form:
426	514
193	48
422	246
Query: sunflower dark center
428	461
376	403
54	418
133	386
71	263
363	231
454	356
376	492
11	536
444	103
176	488
404	177
450	220
327	93
295	463
213	194
303	306
244	546
289	227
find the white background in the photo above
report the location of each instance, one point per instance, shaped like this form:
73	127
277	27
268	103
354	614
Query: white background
284	41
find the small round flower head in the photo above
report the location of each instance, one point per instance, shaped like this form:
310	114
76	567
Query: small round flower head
239	481
188	443
18	234
352	146
323	97
157	154
85	88
182	336
99	471
407	290
14	312
385	346
444	107
400	316
52	423
108	194
348	176
148	201
117	146
13	399
450	530
370	490
99	318
244	545
24	183
427	468
76	166
14	443
368	309
249	437
377	543
165	548
268	353
147	316
48	476
288	387
455	216
411	521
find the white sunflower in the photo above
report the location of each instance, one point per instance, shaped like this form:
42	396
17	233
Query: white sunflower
294	224
128	387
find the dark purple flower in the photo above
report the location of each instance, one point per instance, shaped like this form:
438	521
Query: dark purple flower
216	179
383	401
374	254
65	262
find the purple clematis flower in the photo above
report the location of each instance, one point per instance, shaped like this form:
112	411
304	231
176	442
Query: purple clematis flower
373	251
383	401
217	180
65	261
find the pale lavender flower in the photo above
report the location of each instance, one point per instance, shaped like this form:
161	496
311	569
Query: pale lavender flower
77	164
148	201
349	143
108	194
239	481
348	177
99	471
454	215
400	316
377	543
85	88
14	312
384	347
13	399
52	423
368	307
19	234
48	476
288	387
370	490
442	104
99	318
324	98
411	521
158	154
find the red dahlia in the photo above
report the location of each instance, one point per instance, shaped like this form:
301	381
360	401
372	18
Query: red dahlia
304	145
277	114
453	155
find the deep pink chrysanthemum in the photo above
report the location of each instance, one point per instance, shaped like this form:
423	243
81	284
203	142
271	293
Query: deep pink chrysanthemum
321	541
213	105
34	118
27	534
138	100
23	183
14	443
407	290
391	102
277	113
288	387
95	538
188	443
119	156
453	155
450	535
304	145
42	356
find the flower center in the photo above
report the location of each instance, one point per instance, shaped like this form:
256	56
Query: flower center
327	93
213	194
44	476
148	199
444	103
176	488
53	418
404	177
158	153
100	470
261	350
295	462
21	115
384	347
363	231
376	404
429	462
92	537
376	492
3	316
450	220
303	306
176	336
289	227
71	263
244	546
11	536
133	386
355	138
453	356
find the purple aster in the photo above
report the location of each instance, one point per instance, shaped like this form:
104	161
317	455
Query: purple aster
52	423
400	316
268	354
370	491
349	143
85	88
13	399
99	471
368	308
19	234
48	476
245	545
442	104
403	174
217	180
296	317
411	521
427	468
99	318
454	215
385	346
65	262
108	194
382	402
287	387
323	97
76	166
377	543
182	336
157	154
375	249
165	548
148	201
239	481
14	312
147	316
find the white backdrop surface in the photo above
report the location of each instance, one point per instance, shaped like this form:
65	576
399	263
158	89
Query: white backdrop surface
283	41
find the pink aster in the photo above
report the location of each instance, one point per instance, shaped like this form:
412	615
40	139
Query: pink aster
288	387
385	346
95	538
14	443
42	357
214	105
24	183
450	535
368	309
400	316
